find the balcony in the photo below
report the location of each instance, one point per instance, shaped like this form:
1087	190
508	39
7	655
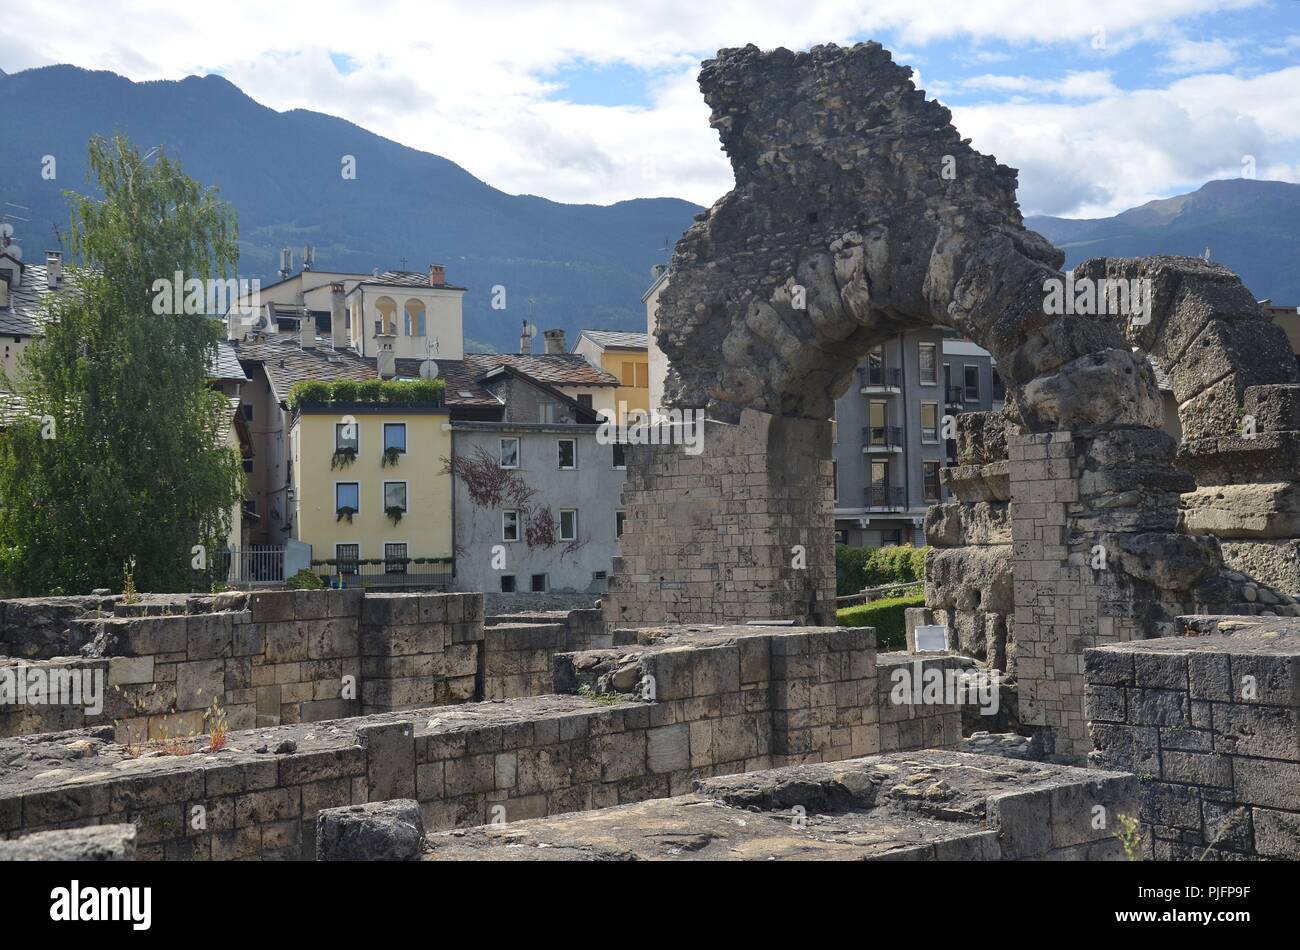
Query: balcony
882	438
880	379
884	498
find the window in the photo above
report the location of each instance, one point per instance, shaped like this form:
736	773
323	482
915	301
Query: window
929	363
568	451
620	454
248	465
879	422
546	412
347	495
929	422
347	556
879	474
876	366
347	435
250	506
891	538
395	559
619	518
835	480
509	453
972	380
835	426
539	583
510	525
930	471
568	524
394	495
842	536
584	400
507	583
635	374
247	410
395	436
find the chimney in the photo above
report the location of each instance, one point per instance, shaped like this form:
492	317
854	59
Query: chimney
53	269
437	275
526	340
307	331
387	361
554	341
339	335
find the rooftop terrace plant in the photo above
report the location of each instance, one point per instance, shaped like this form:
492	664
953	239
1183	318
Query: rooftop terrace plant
421	393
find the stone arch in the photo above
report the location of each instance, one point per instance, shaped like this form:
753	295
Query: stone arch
859	212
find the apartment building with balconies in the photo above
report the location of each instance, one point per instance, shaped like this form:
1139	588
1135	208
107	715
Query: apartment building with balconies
890	437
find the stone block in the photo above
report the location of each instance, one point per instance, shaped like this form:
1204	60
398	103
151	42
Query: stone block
378	831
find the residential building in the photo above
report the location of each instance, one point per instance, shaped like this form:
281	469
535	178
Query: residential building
625	356
23	289
369	482
560	466
295	497
890	438
658	362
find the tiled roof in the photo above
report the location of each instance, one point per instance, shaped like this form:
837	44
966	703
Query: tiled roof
23	317
287	363
406	278
225	365
619	339
557	369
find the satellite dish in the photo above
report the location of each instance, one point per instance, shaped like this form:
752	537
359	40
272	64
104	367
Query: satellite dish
6	230
428	370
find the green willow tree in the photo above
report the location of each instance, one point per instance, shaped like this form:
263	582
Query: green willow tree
119	453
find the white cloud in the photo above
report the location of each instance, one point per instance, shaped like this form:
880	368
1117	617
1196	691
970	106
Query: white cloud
1100	157
1191	56
476	81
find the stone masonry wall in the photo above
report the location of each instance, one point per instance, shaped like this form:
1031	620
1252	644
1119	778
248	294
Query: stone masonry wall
1211	726
742	531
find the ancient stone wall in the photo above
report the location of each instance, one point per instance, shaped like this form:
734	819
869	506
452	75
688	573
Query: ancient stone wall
725	700
875	808
743	530
1210	723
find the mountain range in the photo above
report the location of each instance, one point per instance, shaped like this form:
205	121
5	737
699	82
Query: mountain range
563	265
582	265
1251	226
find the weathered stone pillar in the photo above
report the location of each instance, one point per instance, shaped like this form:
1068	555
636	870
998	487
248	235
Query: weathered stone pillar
741	530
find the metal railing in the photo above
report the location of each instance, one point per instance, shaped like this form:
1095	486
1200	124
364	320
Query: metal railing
386	572
255	564
956	396
882	437
879	377
888	497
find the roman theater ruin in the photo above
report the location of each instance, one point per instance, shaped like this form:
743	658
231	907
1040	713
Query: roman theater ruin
1130	596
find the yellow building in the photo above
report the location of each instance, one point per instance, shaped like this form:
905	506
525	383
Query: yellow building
626	357
369	484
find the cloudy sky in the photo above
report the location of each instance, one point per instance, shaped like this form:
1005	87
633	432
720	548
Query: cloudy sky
1101	104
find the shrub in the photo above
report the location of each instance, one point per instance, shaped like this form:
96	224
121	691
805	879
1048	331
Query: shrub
886	616
856	568
414	391
309	391
372	390
304	580
345	390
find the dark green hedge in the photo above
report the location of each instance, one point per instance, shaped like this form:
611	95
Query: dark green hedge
856	568
886	616
412	392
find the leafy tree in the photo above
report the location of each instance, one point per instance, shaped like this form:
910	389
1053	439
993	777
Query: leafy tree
119	454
